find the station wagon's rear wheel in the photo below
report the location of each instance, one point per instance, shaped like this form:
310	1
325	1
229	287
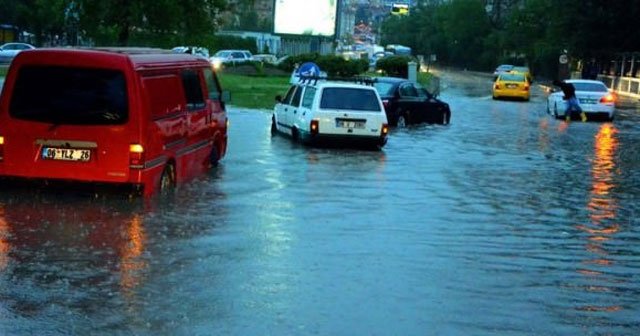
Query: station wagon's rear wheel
167	179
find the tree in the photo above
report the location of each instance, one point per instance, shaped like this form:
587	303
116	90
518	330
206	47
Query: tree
159	21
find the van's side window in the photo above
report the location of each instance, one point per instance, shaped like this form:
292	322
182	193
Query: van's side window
212	85
164	95
307	99
192	90
295	101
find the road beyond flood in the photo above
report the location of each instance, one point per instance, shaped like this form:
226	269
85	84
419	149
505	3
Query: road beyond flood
505	222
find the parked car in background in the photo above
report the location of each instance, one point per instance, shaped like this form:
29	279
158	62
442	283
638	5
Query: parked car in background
595	99
120	116
406	102
196	51
503	68
319	111
233	57
266	58
512	85
9	50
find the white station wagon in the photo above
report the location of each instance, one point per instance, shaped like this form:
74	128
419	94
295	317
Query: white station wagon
593	96
317	111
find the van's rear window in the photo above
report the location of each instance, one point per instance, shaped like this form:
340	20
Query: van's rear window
349	99
69	95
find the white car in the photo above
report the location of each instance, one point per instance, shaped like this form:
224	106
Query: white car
230	57
317	111
594	98
9	50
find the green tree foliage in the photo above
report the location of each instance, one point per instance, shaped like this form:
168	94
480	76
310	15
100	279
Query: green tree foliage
395	66
160	23
334	66
534	32
144	22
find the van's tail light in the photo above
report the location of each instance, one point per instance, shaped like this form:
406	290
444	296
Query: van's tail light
136	156
384	130
1	148
609	98
314	127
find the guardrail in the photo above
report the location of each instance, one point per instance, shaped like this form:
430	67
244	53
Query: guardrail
626	86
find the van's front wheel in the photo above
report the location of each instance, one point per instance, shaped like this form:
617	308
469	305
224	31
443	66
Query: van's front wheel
167	179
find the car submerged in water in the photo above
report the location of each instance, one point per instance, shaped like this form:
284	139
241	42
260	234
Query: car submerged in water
595	99
317	111
406	102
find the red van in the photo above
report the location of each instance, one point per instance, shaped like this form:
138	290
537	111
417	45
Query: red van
144	117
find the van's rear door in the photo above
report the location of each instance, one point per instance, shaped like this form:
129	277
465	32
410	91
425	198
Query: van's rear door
67	122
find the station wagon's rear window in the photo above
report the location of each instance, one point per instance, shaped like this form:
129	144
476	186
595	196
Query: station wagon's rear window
349	99
70	95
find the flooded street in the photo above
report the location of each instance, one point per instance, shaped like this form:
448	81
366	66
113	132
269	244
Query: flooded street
504	222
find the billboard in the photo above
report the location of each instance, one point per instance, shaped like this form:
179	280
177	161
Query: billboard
305	17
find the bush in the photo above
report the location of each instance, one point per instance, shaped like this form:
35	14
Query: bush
334	66
395	66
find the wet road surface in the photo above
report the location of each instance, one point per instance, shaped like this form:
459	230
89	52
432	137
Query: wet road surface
505	222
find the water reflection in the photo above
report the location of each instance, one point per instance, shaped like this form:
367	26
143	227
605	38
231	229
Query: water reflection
602	210
4	241
82	250
131	264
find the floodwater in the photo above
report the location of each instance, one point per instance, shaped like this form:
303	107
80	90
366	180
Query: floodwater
504	222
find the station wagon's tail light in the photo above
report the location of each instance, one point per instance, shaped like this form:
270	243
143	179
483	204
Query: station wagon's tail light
384	130
314	127
136	156
1	148
608	99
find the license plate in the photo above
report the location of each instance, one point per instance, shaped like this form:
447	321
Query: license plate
351	124
66	154
512	86
588	101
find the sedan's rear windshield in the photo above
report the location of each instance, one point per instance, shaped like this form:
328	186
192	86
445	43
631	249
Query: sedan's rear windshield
70	95
349	99
593	87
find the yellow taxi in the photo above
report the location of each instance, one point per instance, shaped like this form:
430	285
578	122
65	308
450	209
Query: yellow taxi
511	85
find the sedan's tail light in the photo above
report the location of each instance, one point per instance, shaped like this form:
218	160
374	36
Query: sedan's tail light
609	98
1	148
314	127
526	87
497	86
385	103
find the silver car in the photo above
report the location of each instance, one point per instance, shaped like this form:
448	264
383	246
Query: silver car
9	50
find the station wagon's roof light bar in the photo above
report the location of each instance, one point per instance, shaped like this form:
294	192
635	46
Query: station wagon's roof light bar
365	80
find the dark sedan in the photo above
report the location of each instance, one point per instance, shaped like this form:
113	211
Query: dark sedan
406	102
